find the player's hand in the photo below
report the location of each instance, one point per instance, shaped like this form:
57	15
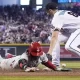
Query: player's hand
32	69
28	69
46	69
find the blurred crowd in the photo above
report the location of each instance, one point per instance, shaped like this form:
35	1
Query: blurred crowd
20	24
75	7
23	25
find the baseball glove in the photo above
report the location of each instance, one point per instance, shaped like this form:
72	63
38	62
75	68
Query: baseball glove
49	57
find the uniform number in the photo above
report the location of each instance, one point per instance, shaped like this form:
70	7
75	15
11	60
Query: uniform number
74	14
12	63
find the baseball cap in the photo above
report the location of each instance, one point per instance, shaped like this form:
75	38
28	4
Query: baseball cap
52	6
35	49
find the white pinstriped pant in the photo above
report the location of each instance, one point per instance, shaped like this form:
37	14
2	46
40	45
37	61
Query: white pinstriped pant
72	44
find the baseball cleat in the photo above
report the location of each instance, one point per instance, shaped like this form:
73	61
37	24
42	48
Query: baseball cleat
63	69
66	69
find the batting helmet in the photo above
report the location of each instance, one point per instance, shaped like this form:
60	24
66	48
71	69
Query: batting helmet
35	49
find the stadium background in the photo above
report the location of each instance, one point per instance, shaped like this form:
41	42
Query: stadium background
13	21
12	16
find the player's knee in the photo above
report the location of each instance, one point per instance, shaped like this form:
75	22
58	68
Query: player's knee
69	47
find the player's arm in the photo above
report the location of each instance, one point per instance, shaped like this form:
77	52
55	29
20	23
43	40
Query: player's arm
22	64
53	41
45	61
49	65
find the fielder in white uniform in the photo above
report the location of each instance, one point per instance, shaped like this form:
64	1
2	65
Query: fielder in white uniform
66	28
29	60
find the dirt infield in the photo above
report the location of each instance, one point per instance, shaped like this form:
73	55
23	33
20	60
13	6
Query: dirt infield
74	72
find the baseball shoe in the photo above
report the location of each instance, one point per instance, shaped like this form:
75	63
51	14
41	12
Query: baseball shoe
9	55
58	68
64	69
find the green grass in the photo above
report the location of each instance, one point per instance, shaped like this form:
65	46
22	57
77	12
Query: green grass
69	64
42	78
72	64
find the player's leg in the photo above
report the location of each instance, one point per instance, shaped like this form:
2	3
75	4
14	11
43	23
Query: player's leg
56	50
62	38
74	42
10	63
1	58
56	54
3	64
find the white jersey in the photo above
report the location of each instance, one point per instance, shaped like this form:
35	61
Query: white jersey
66	20
12	63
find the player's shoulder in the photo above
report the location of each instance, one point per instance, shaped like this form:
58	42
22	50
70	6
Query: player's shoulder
59	13
24	55
62	12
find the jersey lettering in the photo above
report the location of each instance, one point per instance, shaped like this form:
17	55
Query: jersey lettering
12	63
74	14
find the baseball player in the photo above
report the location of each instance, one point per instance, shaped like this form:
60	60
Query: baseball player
29	60
66	28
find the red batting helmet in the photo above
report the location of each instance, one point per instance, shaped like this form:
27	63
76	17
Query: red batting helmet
35	49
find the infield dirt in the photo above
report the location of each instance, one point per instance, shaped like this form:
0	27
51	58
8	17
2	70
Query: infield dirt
18	72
